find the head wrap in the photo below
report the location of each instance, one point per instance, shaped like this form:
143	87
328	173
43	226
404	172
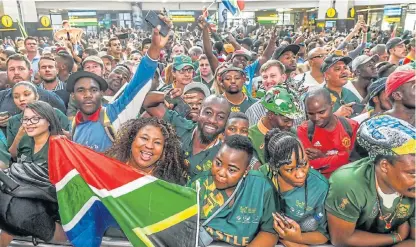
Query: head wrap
386	135
398	78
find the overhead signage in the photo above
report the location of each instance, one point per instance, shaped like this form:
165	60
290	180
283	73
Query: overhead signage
83	18
45	21
182	16
7	21
331	13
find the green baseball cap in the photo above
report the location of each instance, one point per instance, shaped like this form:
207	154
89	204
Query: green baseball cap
280	100
181	61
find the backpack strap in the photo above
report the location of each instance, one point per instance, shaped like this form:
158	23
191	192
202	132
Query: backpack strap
311	130
346	125
108	127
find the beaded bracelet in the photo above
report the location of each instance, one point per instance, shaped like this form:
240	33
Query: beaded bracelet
393	236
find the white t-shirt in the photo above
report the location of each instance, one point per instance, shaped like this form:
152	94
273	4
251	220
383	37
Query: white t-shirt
352	88
309	82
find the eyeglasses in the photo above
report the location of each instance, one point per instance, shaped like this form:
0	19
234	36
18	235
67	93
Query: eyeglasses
320	56
183	71
33	120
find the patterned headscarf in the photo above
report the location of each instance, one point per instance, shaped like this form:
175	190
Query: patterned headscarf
386	135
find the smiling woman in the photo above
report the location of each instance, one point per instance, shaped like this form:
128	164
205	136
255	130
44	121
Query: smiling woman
26	214
151	146
25	93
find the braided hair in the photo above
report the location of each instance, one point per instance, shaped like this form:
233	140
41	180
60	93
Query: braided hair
170	167
279	147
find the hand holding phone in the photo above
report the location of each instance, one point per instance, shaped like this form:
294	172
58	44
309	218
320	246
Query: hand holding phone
281	217
154	20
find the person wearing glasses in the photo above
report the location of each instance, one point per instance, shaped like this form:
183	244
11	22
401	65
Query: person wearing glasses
25	93
314	78
26	216
232	82
301	191
182	72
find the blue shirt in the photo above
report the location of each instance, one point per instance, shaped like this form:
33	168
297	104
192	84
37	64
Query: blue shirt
93	134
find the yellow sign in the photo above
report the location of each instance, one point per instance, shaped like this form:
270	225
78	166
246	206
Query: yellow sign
7	21
392	19
320	24
331	12
45	21
352	12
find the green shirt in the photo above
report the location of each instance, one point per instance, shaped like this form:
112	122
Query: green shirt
185	130
250	213
346	97
14	124
202	80
256	134
298	206
25	152
353	197
248	101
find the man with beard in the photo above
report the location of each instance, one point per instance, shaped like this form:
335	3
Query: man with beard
377	100
286	54
18	69
205	73
49	75
328	139
232	81
371	202
240	58
94	126
396	48
336	71
400	88
282	107
200	140
116	80
364	67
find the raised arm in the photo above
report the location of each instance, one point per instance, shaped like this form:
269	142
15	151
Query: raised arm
212	59
271	47
350	35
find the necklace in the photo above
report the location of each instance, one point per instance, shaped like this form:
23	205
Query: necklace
382	217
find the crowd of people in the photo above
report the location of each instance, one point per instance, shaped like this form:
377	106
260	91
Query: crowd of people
297	138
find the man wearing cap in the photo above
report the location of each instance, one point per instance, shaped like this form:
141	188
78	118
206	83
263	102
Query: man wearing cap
371	202
93	64
182	71
193	94
282	107
232	81
396	48
328	139
400	88
377	100
240	58
364	68
336	72
116	80
94	126
286	54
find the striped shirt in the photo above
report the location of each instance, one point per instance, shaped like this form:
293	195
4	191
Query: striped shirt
60	86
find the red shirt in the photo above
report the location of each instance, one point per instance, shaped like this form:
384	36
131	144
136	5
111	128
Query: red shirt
335	144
